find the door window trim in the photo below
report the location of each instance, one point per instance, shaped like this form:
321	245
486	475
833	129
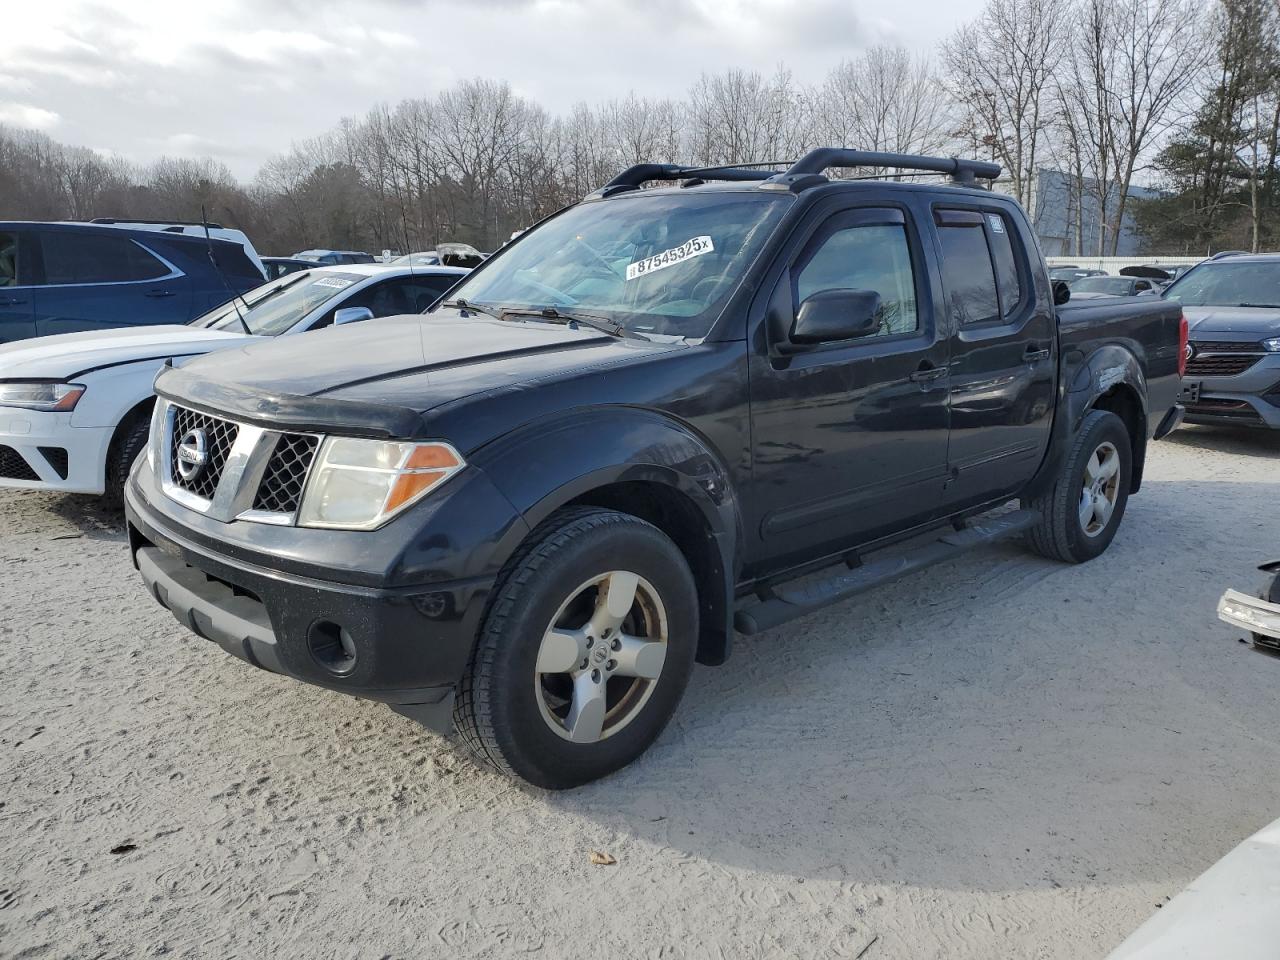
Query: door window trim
173	274
878	211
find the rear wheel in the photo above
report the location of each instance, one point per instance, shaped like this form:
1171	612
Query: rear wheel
1080	513
585	651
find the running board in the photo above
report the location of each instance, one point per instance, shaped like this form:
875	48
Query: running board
780	604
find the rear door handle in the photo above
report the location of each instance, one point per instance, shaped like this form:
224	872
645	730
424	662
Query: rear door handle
13	302
1035	352
159	293
925	374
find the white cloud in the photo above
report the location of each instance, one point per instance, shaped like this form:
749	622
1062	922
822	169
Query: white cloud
26	116
240	80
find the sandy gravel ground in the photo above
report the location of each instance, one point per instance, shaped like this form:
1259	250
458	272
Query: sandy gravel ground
1001	757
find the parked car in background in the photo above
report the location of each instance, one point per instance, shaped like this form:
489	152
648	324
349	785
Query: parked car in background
191	229
1088	287
460	255
424	258
277	267
1233	356
532	509
67	277
333	258
74	408
1068	274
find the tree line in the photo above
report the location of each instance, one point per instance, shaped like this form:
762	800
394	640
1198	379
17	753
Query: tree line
1111	92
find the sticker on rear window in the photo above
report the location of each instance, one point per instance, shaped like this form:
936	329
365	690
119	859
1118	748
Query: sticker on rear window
996	221
669	258
336	282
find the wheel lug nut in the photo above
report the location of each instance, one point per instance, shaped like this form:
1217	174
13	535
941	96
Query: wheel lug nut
617	644
584	665
613	664
595	676
590	643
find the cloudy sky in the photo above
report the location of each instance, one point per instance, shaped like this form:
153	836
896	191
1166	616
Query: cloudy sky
238	80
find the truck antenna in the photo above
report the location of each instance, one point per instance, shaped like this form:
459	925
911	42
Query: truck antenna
208	241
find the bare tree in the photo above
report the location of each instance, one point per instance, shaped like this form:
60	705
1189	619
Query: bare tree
1000	69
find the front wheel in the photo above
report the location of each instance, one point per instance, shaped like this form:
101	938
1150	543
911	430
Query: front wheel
584	653
1080	513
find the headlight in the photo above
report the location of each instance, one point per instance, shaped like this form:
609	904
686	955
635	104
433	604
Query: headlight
40	395
361	484
158	414
1272	345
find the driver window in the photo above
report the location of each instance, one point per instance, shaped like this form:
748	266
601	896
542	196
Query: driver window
866	258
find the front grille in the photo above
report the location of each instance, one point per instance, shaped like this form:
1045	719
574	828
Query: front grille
1219	364
1227	346
219	437
13	466
286	473
1230	409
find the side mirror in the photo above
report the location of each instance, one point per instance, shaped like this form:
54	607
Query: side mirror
351	315
1061	292
831	315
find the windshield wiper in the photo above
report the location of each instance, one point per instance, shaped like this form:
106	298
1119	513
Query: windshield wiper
1267	306
461	304
603	324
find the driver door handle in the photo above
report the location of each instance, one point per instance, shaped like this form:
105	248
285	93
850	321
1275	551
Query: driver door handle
927	372
1035	352
160	292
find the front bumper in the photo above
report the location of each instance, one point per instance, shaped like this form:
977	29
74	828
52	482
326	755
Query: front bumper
404	645
1248	399
1259	617
42	450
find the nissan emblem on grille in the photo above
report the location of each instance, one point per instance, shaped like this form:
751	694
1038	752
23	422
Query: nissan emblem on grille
193	453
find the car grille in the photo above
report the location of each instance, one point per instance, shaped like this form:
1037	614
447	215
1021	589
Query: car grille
220	436
1224	409
1223	358
281	488
13	466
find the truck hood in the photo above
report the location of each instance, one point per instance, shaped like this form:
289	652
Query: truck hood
1254	322
369	376
65	356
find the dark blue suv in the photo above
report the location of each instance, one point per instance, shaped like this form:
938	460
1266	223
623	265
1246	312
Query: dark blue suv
67	277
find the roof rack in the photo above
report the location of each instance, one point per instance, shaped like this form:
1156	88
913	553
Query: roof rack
158	223
810	169
632	177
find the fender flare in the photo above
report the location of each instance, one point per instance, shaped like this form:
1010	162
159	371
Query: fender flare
555	461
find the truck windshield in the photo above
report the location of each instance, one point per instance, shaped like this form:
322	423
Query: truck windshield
275	307
1251	284
661	263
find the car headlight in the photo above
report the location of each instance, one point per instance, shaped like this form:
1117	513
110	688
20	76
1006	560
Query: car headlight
1272	345
40	395
361	484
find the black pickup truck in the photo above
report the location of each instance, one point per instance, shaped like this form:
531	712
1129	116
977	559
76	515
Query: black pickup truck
659	416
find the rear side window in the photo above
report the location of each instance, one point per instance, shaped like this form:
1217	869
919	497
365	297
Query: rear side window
979	266
232	261
95	258
1001	237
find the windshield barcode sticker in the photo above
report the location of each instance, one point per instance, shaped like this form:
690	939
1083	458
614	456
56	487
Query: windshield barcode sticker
336	282
669	258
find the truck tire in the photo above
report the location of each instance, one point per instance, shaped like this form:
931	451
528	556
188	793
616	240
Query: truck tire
129	444
584	652
1080	513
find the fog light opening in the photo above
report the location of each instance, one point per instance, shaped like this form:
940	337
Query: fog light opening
332	647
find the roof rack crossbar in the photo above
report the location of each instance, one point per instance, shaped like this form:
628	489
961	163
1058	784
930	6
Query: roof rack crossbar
961	171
